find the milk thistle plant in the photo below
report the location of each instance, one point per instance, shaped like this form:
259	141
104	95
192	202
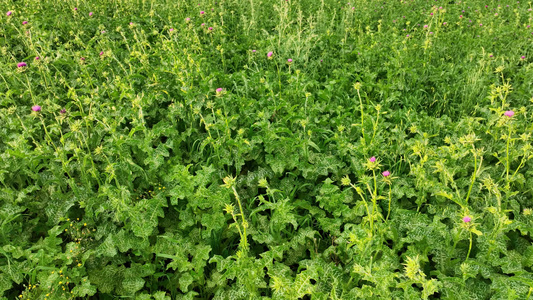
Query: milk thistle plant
266	150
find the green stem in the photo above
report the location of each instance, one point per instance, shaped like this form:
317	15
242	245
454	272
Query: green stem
473	176
469	247
389	202
362	115
507	166
367	210
245	244
375	129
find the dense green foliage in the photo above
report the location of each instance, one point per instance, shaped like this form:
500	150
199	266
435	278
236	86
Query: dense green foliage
151	151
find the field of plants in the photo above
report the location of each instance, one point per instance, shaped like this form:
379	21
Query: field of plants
266	149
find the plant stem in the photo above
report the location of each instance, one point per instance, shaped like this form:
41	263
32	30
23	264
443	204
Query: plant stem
244	225
473	176
362	116
469	247
389	203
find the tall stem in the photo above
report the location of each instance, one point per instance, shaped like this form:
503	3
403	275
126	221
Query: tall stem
469	247
389	202
244	224
473	176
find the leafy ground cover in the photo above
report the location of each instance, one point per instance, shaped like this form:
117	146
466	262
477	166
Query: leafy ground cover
266	149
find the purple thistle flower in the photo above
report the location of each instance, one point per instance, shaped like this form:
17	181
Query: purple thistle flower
219	90
522	57
203	24
385	174
131	23
171	29
63	111
82	58
36	57
9	13
253	51
372	159
425	26
102	53
25	22
21	64
36	108
289	60
509	113
75	8
202	12
269	54
187	19
210	28
467	219
91	14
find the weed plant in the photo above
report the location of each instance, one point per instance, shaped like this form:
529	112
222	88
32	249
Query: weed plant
271	149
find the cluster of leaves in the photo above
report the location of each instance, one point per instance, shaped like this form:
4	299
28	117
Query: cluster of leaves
160	150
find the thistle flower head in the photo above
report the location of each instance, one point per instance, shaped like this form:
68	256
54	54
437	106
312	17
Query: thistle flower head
229	181
346	180
90	14
202	12
101	53
372	159
467	219
269	54
289	60
263	183
522	57
63	111
9	13
25	22
219	90
509	113
36	108
385	174
22	64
